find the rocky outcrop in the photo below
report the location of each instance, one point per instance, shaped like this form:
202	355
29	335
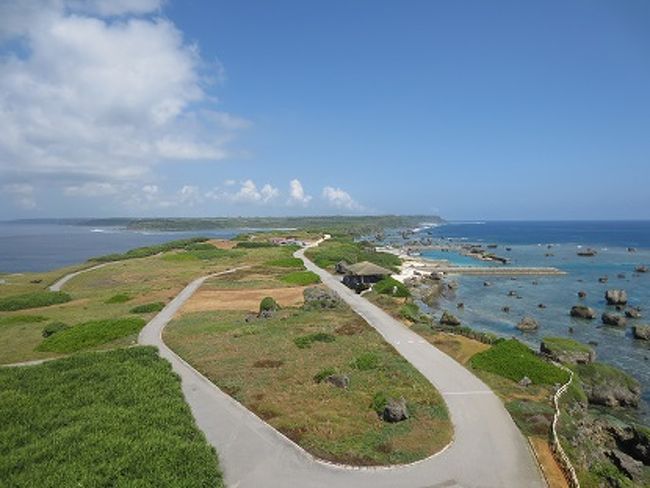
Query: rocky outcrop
633	440
527	324
641	332
395	410
338	380
582	294
582	312
616	297
449	319
641	269
608	386
633	313
629	466
318	297
613	319
525	381
567	351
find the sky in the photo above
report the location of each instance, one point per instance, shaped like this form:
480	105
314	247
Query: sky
466	109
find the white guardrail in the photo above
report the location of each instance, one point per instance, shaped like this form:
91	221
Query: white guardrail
562	458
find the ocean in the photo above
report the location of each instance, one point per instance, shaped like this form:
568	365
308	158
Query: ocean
529	243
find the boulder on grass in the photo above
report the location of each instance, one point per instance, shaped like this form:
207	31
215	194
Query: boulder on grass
319	297
616	320
582	312
338	380
527	324
395	410
616	297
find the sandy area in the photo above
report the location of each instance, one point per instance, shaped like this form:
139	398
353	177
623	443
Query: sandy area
248	299
552	471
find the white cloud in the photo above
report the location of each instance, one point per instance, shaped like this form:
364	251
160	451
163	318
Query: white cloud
22	194
340	198
248	192
91	97
297	193
91	189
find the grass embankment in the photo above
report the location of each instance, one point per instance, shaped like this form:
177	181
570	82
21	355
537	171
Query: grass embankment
143	252
34	299
275	368
100	419
336	249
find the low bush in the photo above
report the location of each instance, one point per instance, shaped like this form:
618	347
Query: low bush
477	335
254	244
330	252
33	300
22	319
514	360
119	298
90	334
286	263
143	252
148	307
53	328
390	286
114	418
301	278
379	401
306	341
324	373
366	361
410	311
268	304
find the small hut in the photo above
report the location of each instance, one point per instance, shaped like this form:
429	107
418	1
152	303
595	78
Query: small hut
361	275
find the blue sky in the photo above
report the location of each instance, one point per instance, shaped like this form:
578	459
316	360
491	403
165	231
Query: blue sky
469	109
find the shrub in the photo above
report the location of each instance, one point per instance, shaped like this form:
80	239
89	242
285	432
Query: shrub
254	244
390	286
324	373
379	401
142	252
53	328
366	361
477	335
301	278
148	307
514	360
306	341
33	300
268	304
90	334
346	249
22	319
286	263
410	311
119	298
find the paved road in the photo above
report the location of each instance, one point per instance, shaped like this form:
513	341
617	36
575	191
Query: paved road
488	450
62	281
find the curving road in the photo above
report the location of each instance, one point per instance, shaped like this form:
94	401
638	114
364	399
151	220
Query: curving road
488	449
57	285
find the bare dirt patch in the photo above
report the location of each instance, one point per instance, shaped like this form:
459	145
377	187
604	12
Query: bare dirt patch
246	299
550	467
222	244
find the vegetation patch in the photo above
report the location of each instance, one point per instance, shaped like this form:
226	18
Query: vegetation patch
323	373
35	299
390	286
366	361
91	334
560	344
301	278
53	328
268	304
330	252
148	307
116	418
254	244
307	340
22	319
410	312
143	252
268	363
514	360
286	263
119	298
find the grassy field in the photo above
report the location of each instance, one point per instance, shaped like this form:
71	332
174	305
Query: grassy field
330	252
273	366
100	419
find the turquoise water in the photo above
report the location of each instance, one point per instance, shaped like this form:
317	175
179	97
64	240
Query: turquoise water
454	258
483	305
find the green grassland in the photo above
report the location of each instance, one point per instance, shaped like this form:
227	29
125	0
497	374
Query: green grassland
336	249
270	365
100	419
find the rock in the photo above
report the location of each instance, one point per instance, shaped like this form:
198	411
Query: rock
338	380
527	324
512	293
567	351
616	320
621	276
487	283
265	314
619	308
641	269
541	305
603	279
587	252
616	297
525	381
535	283
449	319
505	309
250	318
627	464
318	297
582	294
508	249
633	313
395	410
460	305
632	440
582	312
641	332
608	386
631	249
571	331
